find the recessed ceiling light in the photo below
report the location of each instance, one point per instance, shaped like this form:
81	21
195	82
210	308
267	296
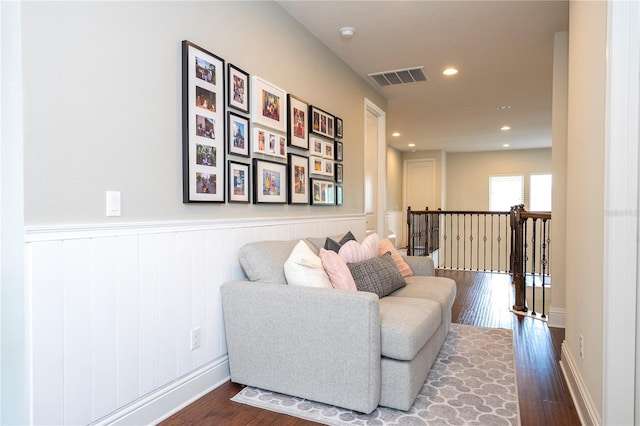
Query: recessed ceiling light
347	32
503	107
450	71
506	145
395	134
411	145
505	128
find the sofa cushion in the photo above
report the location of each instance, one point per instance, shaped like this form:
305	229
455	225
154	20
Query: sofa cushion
386	246
331	244
440	289
337	270
379	275
406	325
264	260
304	268
353	252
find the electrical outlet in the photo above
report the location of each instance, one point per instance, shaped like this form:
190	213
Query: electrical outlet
195	338
581	347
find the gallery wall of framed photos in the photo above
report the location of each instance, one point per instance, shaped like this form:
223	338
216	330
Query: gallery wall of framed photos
246	140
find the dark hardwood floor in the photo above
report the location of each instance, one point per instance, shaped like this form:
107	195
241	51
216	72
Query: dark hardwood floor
483	299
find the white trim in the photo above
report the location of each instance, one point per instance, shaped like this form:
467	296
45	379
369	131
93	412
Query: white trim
381	208
557	317
58	232
170	399
586	408
620	214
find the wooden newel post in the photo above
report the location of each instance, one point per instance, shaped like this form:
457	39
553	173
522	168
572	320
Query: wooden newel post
517	250
409	231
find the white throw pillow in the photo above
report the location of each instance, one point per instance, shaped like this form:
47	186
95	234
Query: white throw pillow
304	268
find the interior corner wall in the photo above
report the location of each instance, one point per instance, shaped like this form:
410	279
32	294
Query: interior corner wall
468	174
585	195
103	103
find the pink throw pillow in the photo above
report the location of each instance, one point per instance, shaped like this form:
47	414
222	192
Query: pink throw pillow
337	270
386	246
353	252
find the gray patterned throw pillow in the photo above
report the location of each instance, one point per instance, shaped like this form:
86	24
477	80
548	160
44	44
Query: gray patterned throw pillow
379	275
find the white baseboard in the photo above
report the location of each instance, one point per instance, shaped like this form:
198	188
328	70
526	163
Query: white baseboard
171	398
556	317
581	398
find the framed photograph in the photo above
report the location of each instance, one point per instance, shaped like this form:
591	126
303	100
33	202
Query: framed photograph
239	88
338	195
269	143
268	105
270	182
328	149
317	146
297	134
298	179
239	182
321	122
339	172
323	192
338	150
203	125
328	168
339	128
316	165
237	134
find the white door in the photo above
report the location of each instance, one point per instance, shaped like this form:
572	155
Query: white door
375	169
420	178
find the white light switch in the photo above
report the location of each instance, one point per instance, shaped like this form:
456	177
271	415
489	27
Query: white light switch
113	203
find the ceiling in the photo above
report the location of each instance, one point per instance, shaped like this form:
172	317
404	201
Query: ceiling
502	49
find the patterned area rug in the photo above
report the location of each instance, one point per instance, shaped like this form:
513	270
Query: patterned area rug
472	382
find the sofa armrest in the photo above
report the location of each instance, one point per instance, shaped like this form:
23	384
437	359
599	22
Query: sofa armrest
420	265
319	344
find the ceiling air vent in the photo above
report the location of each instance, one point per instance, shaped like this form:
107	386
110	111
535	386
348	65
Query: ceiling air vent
397	77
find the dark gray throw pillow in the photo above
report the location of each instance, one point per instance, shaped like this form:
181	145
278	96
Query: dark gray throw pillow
333	245
379	275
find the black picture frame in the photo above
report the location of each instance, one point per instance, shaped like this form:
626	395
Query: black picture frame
323	192
339	172
298	125
269	182
239	89
321	122
239	178
238	134
339	128
203	125
298	179
339	151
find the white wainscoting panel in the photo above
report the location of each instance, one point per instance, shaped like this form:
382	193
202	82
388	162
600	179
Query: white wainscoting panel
112	308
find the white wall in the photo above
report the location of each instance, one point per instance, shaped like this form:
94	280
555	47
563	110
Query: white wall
13	354
585	196
113	309
559	171
468	174
103	100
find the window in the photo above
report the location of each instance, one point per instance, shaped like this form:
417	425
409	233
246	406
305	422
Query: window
540	193
505	192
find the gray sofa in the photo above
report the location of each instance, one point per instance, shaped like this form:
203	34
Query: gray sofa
344	348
